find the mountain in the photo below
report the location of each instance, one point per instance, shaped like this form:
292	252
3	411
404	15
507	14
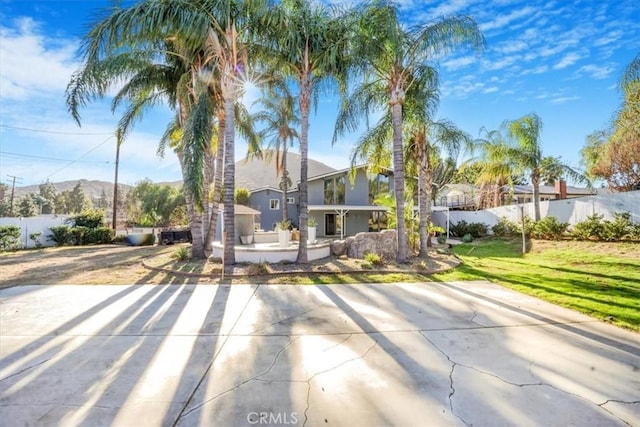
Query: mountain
92	188
251	173
254	173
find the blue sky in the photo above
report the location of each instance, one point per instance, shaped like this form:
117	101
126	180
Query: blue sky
559	59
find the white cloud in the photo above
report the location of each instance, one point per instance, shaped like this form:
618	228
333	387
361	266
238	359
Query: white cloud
537	70
454	64
512	47
500	64
566	61
609	38
31	64
448	8
563	99
596	71
491	89
503	20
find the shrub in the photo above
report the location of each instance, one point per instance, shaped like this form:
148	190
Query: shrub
34	238
476	229
590	228
260	269
442	239
549	228
504	227
634	231
617	229
90	218
181	254
467	238
78	235
100	235
61	235
373	259
9	237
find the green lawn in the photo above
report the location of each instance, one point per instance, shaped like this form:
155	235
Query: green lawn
599	279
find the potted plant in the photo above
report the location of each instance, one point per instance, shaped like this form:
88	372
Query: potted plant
284	234
312	229
246	234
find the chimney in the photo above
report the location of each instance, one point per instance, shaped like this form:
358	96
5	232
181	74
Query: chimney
561	189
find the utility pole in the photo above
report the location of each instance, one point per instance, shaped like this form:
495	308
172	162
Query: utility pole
115	183
13	189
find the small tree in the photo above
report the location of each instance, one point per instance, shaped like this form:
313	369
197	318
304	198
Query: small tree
9	237
241	196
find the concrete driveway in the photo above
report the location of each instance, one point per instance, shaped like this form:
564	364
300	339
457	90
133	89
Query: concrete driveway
363	355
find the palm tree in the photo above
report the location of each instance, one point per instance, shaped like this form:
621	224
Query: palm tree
526	155
209	36
423	144
308	43
495	169
631	78
279	114
391	60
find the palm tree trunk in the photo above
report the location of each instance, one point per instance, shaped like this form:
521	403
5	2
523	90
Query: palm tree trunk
398	179
305	98
535	182
284	183
229	182
423	225
217	183
195	224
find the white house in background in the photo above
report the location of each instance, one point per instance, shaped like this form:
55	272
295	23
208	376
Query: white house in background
458	196
559	191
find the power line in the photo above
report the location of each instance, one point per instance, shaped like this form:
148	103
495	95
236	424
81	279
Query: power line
78	159
54	131
6	153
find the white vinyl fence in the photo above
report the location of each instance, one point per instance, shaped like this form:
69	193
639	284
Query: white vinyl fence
35	224
568	210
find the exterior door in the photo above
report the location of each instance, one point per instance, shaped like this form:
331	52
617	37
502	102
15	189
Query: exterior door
330	224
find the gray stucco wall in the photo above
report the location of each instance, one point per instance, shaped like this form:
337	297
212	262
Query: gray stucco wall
358	194
259	200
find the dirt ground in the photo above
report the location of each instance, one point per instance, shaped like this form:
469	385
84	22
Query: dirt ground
116	264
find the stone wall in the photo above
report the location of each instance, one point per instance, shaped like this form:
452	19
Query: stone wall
383	243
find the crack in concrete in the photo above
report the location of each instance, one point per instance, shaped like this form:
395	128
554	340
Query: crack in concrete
537	384
213	359
451	384
255	331
312	377
25	369
624	402
241	383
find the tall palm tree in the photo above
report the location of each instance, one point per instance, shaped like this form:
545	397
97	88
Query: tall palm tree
211	34
309	43
526	155
495	168
391	60
279	115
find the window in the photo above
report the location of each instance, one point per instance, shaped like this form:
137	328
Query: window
379	184
274	204
334	190
291	200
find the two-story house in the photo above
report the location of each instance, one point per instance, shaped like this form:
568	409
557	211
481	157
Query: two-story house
268	200
341	202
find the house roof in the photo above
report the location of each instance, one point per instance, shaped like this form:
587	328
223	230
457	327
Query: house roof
341	171
267	187
255	173
550	189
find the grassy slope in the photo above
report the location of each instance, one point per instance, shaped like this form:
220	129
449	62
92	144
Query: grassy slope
599	279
